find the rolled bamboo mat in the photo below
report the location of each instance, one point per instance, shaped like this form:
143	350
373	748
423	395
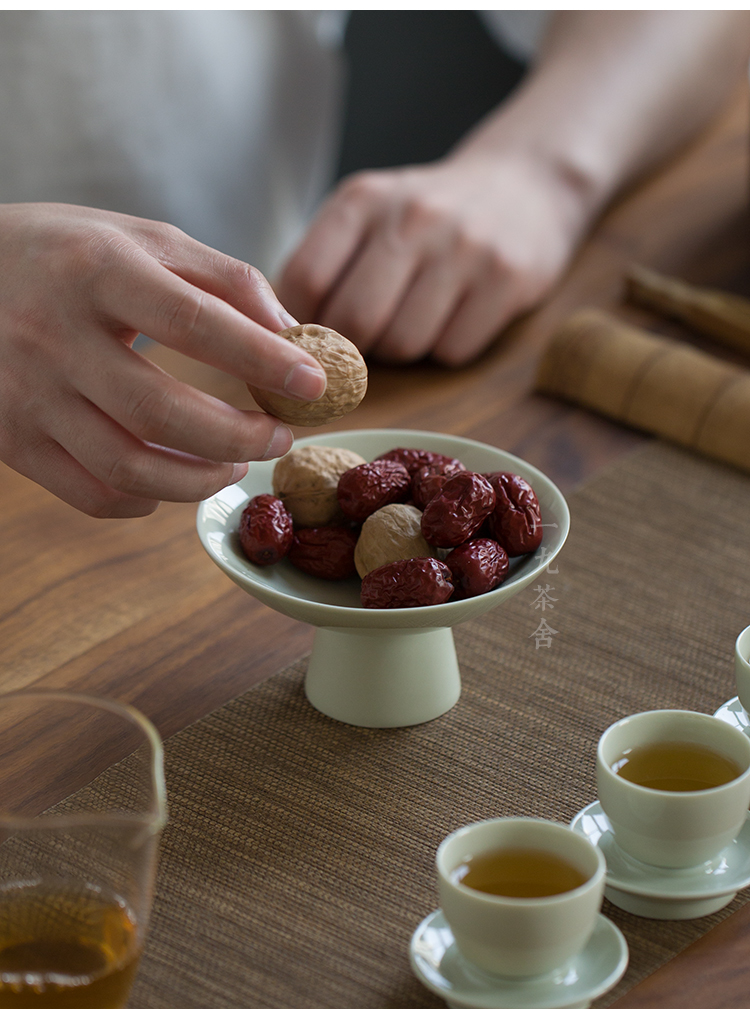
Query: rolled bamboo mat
299	856
650	382
723	316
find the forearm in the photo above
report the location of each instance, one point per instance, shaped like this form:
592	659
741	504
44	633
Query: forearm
613	92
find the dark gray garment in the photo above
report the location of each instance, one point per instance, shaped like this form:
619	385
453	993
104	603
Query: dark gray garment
417	81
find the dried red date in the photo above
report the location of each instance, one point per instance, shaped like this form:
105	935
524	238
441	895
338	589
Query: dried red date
414	458
477	567
516	520
366	488
266	530
324	551
419	581
428	480
458	510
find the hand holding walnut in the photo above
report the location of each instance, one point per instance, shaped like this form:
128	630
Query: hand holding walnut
346	379
95	422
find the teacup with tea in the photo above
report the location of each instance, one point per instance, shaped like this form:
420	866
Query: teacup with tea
742	668
674	785
521	895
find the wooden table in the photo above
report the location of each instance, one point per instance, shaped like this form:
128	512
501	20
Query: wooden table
133	609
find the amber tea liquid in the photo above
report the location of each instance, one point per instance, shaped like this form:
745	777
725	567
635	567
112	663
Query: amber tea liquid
65	949
676	767
519	872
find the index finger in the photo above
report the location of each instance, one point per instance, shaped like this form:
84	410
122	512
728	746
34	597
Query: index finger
150	298
242	286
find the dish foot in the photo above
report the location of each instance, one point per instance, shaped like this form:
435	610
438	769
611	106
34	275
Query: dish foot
383	678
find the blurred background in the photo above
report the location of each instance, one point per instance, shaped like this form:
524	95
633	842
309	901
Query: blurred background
417	80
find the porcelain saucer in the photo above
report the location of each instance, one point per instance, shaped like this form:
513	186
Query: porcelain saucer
668	894
439	965
733	712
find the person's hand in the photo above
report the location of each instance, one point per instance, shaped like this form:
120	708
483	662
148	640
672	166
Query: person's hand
92	420
437	259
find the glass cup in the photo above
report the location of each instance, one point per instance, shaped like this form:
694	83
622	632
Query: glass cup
667	828
520	936
82	806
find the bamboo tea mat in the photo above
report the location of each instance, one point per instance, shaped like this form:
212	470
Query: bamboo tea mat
299	855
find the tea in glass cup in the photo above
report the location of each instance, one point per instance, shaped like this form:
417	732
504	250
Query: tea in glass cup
82	806
674	785
521	895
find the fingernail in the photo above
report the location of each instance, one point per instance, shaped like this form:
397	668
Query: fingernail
288	320
240	470
280	443
304	382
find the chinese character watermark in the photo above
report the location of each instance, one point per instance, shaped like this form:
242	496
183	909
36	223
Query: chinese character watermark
543	634
545	554
544	601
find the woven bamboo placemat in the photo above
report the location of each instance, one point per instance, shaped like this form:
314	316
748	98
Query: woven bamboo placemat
299	856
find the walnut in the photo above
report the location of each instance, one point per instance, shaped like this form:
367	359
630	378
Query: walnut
306	479
345	370
390	534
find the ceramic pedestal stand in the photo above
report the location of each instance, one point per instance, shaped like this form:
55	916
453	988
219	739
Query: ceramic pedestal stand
383	679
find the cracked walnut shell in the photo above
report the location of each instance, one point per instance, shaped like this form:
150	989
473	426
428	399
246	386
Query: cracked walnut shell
306	480
392	533
346	373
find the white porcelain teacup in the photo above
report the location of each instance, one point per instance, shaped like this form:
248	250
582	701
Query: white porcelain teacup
664	827
742	668
519	936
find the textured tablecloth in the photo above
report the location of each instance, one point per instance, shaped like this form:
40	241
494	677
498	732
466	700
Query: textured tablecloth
299	854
